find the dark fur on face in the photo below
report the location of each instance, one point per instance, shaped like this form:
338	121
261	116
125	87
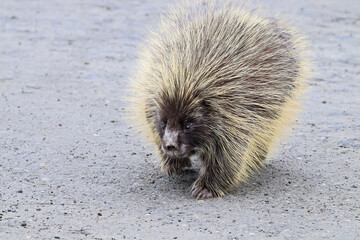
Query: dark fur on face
182	131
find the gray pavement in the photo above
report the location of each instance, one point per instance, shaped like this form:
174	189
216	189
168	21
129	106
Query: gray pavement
71	169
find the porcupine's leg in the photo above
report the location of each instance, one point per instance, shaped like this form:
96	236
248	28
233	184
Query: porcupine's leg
199	190
212	182
218	177
173	166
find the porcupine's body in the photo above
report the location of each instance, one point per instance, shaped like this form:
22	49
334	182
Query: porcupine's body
220	84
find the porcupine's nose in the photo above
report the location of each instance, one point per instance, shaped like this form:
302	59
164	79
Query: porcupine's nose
171	148
170	140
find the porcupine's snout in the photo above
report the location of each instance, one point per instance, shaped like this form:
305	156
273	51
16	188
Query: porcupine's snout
172	145
170	142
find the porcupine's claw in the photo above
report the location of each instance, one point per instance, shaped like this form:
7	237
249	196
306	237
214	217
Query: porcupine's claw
200	192
170	170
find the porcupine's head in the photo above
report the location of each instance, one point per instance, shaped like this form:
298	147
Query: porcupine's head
181	124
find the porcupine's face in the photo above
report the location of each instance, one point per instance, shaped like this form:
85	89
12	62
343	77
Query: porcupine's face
182	134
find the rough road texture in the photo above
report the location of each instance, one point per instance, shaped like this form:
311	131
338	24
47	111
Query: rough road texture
69	168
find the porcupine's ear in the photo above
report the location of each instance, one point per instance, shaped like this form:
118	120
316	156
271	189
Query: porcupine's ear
206	107
204	104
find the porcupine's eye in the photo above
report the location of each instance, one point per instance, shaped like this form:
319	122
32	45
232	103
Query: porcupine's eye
162	124
188	126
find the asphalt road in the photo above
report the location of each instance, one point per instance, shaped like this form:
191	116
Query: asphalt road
71	169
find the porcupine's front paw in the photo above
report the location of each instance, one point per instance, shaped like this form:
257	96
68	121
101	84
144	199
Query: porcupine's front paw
200	192
175	166
170	170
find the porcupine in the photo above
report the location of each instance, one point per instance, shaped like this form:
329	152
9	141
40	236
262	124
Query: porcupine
218	83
